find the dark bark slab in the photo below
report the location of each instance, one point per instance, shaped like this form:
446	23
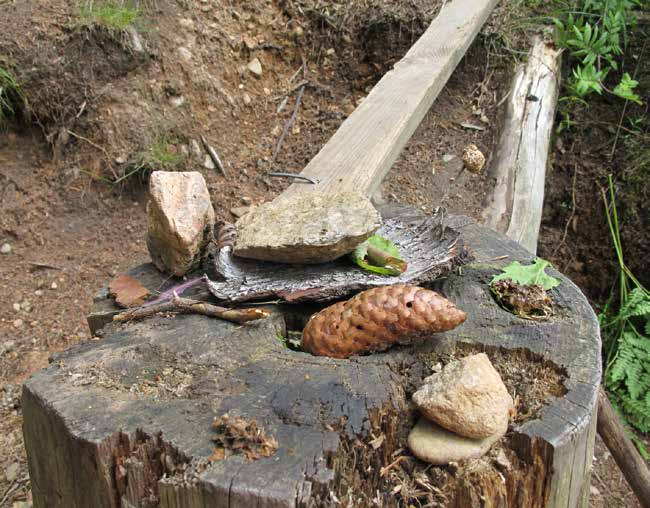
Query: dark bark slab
138	433
431	248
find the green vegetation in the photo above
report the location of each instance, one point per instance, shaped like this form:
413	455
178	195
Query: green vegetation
115	16
528	274
11	96
595	34
625	327
159	156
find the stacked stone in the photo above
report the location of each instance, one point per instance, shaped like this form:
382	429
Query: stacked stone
465	409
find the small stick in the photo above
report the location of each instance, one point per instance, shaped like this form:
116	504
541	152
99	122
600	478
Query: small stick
381	258
214	156
384	470
288	124
292	175
187	306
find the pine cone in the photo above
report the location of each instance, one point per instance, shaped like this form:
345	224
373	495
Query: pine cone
375	319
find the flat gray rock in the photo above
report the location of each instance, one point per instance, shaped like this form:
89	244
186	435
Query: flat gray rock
180	219
306	229
438	446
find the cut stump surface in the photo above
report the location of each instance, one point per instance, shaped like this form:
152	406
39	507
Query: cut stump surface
126	420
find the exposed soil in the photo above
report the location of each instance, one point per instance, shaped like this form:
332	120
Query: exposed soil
607	137
98	110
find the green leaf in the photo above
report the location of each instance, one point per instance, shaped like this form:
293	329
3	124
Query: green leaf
528	274
379	255
625	89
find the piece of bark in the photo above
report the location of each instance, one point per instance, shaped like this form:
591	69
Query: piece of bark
127	291
625	454
430	248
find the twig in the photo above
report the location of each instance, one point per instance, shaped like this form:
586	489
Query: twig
295	74
176	290
288	124
214	156
185	305
278	174
44	266
382	258
384	470
92	143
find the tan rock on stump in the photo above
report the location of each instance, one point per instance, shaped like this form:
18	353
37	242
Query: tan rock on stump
180	220
467	397
306	228
438	446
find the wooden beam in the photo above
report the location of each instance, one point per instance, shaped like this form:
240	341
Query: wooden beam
367	144
519	167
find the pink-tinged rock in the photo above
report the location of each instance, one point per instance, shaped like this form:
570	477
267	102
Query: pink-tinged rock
180	219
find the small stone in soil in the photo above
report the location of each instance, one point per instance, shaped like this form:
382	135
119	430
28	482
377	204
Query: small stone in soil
12	472
255	67
17	307
18	323
208	163
54	285
5	249
240	211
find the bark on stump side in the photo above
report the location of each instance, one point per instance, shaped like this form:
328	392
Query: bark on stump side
126	420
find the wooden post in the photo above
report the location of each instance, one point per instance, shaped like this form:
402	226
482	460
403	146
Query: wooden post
519	166
126	420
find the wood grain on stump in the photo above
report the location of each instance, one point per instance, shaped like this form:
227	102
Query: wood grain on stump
126	420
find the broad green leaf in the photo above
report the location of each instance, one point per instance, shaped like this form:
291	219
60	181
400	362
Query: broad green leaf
528	274
379	255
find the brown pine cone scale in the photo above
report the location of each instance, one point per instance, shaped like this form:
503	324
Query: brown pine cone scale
378	318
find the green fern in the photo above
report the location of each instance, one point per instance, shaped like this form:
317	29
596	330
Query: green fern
626	335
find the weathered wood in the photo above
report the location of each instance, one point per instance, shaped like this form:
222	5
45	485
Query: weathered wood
367	144
625	454
432	249
125	421
519	166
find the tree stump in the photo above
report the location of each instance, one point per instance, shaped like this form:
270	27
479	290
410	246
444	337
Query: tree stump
125	421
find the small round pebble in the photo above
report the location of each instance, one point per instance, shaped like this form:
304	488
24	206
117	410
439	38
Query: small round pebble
18	323
54	285
5	249
17	307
